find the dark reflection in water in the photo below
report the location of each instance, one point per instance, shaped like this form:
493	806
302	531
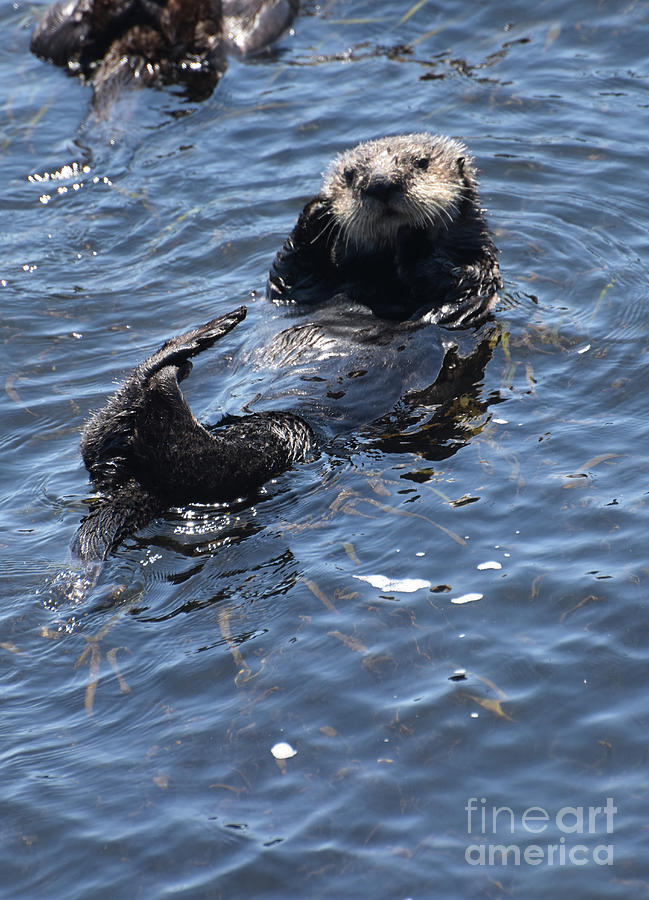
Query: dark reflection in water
437	421
139	721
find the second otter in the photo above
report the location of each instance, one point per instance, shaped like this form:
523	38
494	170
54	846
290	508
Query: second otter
397	226
157	41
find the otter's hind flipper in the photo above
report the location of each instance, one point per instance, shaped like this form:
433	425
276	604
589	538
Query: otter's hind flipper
146	451
175	457
178	350
107	438
113	442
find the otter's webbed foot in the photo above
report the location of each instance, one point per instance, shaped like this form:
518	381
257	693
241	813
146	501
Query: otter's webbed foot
178	350
108	437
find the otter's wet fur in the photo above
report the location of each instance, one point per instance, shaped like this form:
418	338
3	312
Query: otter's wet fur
397	226
146	451
156	41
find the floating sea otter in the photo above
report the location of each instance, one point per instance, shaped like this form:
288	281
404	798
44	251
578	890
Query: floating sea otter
157	41
395	241
397	227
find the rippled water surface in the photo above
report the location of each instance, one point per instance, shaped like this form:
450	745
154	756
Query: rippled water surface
138	716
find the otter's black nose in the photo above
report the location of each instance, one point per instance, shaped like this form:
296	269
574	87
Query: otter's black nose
381	188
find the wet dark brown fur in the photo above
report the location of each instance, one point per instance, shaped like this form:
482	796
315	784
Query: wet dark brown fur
156	41
146	451
397	226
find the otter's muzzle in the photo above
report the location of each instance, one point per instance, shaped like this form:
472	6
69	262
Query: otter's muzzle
382	188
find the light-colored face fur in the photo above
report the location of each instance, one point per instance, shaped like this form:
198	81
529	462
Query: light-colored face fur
412	181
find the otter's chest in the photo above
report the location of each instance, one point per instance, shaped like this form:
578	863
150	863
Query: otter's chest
397	283
341	367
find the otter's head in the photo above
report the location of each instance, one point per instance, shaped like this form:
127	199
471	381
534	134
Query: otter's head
382	189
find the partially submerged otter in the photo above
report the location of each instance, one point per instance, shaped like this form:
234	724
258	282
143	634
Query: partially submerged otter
395	241
157	41
145	451
397	226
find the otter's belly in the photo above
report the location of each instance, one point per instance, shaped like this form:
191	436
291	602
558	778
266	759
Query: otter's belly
343	368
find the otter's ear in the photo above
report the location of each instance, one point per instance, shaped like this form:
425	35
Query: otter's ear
460	165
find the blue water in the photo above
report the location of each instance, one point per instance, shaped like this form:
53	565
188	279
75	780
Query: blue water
138	716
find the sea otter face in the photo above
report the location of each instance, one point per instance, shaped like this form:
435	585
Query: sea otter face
381	189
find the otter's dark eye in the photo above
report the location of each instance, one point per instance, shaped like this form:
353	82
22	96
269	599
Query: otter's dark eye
349	175
421	163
